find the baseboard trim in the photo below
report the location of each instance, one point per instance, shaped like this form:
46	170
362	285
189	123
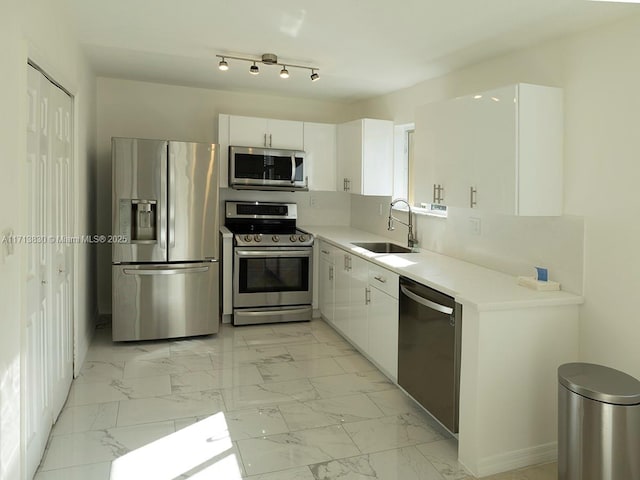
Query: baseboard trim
515	459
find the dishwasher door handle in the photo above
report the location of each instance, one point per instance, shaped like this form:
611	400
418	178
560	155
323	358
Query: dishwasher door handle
427	303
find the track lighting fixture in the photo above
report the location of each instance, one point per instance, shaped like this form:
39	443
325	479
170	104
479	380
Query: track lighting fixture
266	59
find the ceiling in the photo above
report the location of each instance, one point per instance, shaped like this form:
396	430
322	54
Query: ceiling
363	48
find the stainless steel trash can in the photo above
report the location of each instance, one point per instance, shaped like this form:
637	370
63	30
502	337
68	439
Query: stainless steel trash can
598	423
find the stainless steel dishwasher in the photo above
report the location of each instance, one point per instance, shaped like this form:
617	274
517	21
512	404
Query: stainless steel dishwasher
429	350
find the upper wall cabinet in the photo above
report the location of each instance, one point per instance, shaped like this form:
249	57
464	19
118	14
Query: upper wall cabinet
498	151
365	157
320	158
265	132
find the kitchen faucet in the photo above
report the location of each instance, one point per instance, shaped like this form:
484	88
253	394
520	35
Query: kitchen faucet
412	241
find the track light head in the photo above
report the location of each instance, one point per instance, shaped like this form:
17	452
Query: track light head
314	75
223	65
284	73
254	70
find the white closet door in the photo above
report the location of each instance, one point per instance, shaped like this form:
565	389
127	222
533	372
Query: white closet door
38	408
49	267
61	266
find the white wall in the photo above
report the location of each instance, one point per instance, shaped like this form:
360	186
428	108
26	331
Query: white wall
12	94
600	73
150	110
35	30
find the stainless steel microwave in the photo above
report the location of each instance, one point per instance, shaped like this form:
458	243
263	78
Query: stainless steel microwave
253	168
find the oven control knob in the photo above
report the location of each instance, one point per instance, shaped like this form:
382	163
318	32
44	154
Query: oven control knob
247	238
302	238
275	238
293	238
258	237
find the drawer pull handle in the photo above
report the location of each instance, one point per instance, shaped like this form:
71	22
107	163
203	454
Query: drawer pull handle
380	278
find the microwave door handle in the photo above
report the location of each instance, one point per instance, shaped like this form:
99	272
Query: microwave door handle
293	168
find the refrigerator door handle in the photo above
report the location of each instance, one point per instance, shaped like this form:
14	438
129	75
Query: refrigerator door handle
165	271
162	230
170	201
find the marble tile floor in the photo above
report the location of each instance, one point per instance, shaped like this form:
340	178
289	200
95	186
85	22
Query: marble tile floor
267	402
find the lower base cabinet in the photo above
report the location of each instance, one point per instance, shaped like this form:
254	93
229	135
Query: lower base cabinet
358	308
360	300
326	280
383	331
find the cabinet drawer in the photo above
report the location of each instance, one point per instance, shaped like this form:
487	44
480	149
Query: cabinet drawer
384	280
327	252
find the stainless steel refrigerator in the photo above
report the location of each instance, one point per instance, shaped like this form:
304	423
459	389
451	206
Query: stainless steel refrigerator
165	232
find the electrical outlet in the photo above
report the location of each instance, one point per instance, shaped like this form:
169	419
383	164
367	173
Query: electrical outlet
474	223
380	213
313	203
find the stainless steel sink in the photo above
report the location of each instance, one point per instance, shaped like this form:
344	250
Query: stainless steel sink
382	247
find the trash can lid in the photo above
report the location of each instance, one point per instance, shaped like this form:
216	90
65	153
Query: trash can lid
600	383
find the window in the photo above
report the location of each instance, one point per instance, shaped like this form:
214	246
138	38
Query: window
402	162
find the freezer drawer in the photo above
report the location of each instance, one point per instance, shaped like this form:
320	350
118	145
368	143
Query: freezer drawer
155	301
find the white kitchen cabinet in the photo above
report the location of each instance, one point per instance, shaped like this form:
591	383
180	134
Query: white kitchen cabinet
499	151
326	281
360	299
382	316
350	317
365	157
320	158
265	132
342	306
358	302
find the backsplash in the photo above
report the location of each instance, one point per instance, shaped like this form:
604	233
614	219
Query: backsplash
509	244
314	208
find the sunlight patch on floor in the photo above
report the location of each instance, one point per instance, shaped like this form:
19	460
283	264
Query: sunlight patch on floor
200	450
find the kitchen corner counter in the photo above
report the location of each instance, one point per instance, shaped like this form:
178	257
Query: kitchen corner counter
469	284
513	340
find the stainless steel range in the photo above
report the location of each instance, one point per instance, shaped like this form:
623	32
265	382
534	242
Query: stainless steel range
272	263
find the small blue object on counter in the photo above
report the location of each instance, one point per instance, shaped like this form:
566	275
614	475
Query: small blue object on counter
540	281
542	274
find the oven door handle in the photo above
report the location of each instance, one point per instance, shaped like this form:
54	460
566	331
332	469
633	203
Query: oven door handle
274	253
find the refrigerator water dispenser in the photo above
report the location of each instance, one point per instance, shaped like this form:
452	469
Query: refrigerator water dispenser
138	220
143	227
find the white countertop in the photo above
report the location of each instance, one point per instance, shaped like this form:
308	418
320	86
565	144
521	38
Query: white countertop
469	284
